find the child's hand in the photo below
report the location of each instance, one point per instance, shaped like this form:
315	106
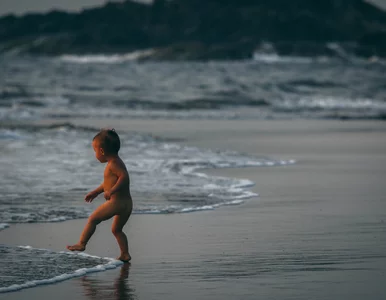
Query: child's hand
107	195
90	196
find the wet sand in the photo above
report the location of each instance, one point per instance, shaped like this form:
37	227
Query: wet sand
317	230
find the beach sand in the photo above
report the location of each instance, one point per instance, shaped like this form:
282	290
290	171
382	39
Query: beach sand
317	230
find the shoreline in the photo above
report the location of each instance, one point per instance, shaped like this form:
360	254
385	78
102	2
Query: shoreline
317	223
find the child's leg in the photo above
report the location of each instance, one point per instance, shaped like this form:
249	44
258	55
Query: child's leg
102	213
118	223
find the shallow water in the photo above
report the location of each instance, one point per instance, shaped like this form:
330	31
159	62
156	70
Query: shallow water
47	172
24	267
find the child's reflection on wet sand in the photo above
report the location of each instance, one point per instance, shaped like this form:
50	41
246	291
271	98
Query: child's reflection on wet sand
96	288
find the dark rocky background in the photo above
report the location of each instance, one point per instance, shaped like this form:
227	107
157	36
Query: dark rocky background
203	29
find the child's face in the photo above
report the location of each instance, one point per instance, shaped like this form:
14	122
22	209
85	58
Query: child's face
99	152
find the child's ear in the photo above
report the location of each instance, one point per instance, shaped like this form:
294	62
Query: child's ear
102	151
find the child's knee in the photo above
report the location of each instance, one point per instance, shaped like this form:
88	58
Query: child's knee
116	230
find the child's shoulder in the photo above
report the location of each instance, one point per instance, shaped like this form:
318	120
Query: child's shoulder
117	163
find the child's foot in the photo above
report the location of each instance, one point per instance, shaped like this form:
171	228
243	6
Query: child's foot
124	257
76	247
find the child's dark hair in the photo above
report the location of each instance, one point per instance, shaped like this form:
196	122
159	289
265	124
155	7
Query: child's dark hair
109	141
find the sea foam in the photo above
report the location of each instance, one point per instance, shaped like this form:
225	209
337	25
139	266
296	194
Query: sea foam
44	265
107	59
3	226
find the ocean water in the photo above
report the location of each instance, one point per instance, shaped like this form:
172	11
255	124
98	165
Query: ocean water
41	179
269	87
24	267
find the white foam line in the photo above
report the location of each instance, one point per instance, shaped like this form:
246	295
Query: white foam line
3	226
107	59
112	264
213	206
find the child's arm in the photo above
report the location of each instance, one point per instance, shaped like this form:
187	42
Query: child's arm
93	194
123	179
99	189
